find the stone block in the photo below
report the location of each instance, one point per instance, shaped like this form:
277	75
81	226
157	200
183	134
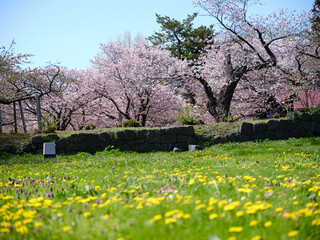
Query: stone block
181	138
125	148
166	147
175	149
155	147
72	148
192	141
282	135
181	146
259	127
141	133
105	136
53	137
270	135
167	139
245	138
73	138
153	137
305	116
187	131
129	135
192	148
246	128
142	148
37	140
315	117
285	125
258	136
272	125
26	147
171	131
62	143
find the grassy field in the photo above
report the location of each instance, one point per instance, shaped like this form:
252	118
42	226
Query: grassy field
265	190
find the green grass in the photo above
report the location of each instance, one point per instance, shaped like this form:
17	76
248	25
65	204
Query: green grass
256	190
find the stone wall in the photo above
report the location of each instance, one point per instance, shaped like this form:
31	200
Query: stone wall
140	140
297	126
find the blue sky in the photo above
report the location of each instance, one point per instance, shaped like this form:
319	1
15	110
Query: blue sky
69	31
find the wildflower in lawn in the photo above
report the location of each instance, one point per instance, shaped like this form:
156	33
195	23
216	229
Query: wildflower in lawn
279	209
267	224
66	228
28	220
17	224
191	181
258	237
87	214
316	222
106	216
293	233
200	206
253	223
213	216
155	218
22	230
186	216
232	238
4	230
37	224
170	220
236	229
239	214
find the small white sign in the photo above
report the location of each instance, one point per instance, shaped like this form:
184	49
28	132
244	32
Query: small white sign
49	149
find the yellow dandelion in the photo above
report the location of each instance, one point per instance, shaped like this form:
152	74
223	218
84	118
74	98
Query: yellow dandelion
267	224
4	230
253	223
38	224
22	230
87	214
191	181
232	238
155	218
239	214
170	220
236	229
213	216
66	228
316	222
293	233
186	216
258	237
106	216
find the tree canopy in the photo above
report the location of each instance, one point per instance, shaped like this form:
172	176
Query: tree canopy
180	37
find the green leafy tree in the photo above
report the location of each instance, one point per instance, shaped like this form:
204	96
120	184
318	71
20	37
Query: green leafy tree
181	38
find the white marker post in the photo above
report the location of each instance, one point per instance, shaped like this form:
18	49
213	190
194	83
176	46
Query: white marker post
49	150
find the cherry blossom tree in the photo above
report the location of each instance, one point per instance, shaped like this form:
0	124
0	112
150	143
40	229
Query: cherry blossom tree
136	81
245	44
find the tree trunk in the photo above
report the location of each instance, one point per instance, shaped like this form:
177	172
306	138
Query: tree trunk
15	126
220	108
0	120
38	112
22	117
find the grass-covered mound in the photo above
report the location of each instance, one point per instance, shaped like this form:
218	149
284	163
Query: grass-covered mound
266	190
